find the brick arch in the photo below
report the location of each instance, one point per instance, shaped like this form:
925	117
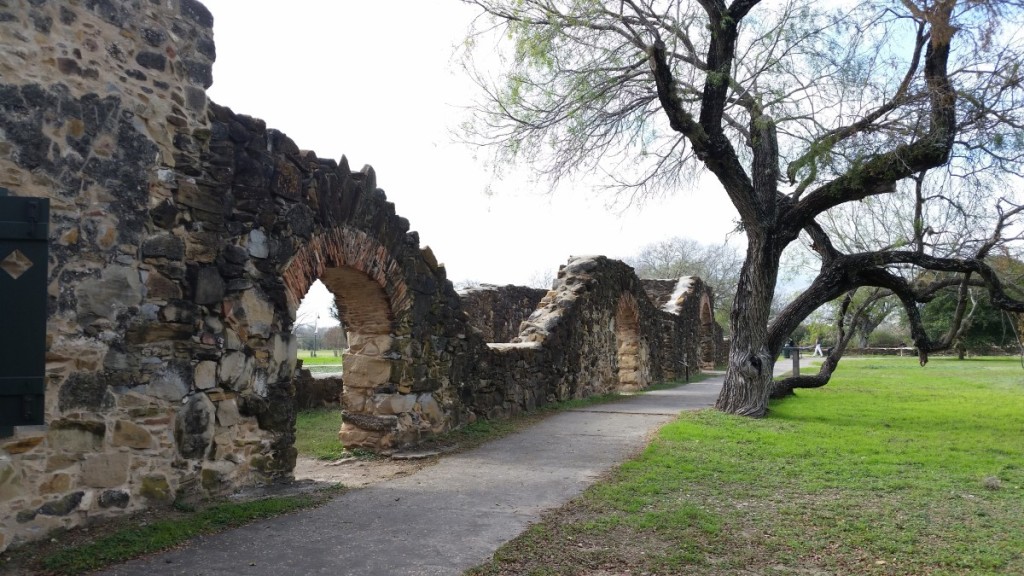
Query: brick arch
632	352
366	280
382	406
707	315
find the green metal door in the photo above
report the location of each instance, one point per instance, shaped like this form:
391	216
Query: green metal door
24	231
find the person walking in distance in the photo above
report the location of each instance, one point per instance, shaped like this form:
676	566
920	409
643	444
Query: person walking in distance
817	347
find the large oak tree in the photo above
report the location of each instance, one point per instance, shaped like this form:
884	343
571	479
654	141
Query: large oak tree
798	109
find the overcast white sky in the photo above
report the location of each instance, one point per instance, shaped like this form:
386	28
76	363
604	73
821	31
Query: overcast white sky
377	82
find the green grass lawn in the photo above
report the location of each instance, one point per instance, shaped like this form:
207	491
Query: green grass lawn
322	357
316	434
890	469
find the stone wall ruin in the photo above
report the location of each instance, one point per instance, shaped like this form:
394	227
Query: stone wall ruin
183	236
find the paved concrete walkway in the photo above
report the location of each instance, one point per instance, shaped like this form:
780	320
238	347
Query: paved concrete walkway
447	517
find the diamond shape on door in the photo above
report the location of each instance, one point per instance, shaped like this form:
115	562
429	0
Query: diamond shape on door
15	264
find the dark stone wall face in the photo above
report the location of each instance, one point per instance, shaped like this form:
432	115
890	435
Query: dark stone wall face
498	311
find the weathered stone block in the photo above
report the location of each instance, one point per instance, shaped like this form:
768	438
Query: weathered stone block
389	404
427	405
369	345
257	244
227	412
106	470
62	507
56	484
11	479
171	384
22	445
131	435
366	371
163	246
156	488
114	499
215	475
355	437
117	288
209	286
194	426
76	436
356	400
206	375
235	369
159	287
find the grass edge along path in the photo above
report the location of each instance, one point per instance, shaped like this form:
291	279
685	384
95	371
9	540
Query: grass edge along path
79	551
890	469
112	544
316	434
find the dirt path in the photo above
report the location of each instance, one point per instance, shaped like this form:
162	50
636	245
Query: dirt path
357	473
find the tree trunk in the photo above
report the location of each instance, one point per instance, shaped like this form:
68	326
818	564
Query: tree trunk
748	379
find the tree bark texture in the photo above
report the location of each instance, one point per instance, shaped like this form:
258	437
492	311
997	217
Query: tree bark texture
748	379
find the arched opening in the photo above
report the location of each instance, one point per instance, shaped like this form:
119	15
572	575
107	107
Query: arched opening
318	378
707	331
379	404
632	354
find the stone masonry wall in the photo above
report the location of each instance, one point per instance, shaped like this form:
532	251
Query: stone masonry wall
183	237
595	331
95	99
498	311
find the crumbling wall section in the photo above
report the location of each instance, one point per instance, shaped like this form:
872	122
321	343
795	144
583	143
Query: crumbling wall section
573	345
498	311
183	236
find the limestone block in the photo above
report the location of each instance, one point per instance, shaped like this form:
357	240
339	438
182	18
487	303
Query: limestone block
106	470
117	288
206	375
76	437
86	354
215	475
194	425
431	410
159	287
357	399
227	412
22	445
355	437
393	403
56	484
257	244
11	478
366	371
156	488
132	435
59	462
369	345
257	313
168	384
369	421
232	341
237	370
